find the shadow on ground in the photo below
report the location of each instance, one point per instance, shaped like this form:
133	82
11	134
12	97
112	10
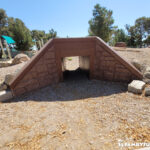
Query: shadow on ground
76	85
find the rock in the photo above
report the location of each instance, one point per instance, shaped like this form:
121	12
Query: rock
147	75
136	64
20	58
3	87
147	91
136	86
9	78
147	69
5	95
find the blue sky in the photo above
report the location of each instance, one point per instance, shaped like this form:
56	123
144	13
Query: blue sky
70	17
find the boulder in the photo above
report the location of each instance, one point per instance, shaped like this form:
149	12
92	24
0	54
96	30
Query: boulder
136	86
5	95
147	75
147	91
147	69
3	87
136	64
8	78
20	58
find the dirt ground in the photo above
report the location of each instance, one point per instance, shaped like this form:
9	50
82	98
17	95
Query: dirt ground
77	114
140	54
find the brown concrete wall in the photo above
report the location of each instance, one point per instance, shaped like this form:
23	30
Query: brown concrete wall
42	73
74	47
45	68
84	62
107	66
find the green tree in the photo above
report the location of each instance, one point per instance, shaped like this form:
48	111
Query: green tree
101	23
3	22
3	18
118	35
138	32
38	34
52	34
20	33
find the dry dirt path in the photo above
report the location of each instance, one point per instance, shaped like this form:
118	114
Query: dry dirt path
75	115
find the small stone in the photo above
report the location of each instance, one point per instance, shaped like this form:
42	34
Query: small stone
5	95
136	86
8	78
3	87
147	75
147	91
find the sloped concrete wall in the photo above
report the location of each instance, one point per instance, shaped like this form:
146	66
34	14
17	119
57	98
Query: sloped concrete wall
42	73
107	67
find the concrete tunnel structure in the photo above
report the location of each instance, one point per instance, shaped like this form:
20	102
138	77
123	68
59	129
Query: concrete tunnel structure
45	68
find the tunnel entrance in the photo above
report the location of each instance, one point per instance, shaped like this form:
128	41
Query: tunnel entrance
95	56
76	68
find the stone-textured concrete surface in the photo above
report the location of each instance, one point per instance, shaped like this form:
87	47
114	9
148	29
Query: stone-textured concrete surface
136	86
5	95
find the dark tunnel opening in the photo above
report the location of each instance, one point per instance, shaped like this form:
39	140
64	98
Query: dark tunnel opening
76	68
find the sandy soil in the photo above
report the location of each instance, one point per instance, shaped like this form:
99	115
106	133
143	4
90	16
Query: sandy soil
9	70
77	114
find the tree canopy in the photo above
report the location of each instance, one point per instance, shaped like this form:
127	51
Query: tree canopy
101	23
139	32
20	33
17	29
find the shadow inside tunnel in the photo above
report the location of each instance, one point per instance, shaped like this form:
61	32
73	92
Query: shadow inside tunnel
76	85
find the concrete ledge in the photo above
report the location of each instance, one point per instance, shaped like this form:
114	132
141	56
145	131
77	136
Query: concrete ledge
5	95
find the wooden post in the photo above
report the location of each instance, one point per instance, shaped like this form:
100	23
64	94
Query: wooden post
40	44
3	52
8	50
